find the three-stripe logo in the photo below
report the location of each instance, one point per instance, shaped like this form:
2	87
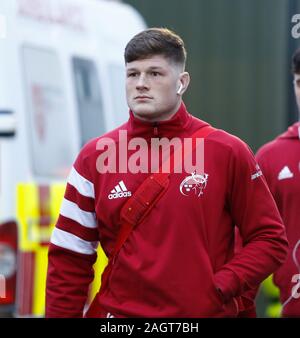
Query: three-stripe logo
119	191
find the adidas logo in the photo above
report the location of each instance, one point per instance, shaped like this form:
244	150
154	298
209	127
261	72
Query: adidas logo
285	173
119	191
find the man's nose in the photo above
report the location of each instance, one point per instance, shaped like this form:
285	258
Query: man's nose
142	82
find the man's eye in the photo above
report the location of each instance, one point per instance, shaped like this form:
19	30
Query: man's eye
297	83
132	74
154	73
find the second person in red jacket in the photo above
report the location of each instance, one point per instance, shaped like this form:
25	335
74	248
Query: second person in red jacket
280	163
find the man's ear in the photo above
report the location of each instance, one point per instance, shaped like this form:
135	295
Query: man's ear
184	83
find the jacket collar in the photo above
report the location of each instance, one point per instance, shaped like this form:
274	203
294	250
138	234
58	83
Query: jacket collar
170	128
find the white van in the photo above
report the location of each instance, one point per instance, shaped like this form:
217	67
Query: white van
61	84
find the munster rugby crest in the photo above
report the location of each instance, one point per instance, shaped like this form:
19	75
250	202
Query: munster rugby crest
194	184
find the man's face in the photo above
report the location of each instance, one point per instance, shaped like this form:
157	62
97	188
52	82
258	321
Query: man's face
151	88
297	89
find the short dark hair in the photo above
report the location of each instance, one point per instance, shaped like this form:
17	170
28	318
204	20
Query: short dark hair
156	41
296	62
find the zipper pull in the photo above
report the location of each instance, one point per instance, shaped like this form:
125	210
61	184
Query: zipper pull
155	129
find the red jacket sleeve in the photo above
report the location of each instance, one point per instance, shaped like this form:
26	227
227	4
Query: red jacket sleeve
68	278
255	213
72	250
248	298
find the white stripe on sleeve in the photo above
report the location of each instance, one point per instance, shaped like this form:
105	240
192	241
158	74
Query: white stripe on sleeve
71	242
71	210
82	185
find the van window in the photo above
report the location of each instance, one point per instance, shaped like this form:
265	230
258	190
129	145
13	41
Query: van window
117	86
50	137
89	102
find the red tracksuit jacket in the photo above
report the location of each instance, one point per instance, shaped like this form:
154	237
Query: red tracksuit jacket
175	260
280	163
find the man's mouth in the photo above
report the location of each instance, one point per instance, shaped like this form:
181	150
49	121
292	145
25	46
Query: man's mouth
143	97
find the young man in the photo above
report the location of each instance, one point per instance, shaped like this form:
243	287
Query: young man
178	260
280	163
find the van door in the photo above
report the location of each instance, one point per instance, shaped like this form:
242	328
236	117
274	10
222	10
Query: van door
50	134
